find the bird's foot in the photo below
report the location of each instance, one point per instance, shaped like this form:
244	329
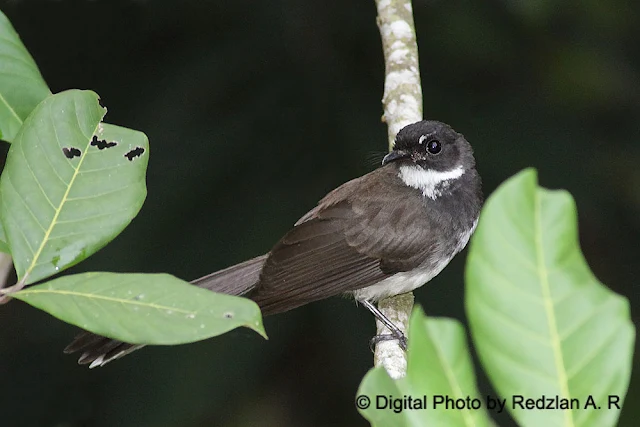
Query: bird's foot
400	337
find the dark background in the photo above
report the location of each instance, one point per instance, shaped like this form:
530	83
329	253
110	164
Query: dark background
254	110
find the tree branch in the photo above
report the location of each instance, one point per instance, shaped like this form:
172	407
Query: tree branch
6	266
402	102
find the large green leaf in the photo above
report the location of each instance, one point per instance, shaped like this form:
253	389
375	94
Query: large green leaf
542	323
21	85
4	247
438	367
70	184
142	308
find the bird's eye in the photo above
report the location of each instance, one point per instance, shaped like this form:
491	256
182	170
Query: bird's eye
434	146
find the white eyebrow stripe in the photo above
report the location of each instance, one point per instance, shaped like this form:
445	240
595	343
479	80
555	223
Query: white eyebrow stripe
425	136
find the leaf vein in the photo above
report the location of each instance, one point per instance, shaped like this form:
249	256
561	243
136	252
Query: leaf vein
87	218
11	110
90	297
62	201
35	178
513	323
590	356
93	196
24	202
556	344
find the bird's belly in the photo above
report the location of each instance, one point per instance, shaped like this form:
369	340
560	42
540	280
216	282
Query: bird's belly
407	281
400	283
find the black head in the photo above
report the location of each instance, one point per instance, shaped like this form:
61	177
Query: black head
431	145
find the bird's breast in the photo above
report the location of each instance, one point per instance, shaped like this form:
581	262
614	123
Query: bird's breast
407	281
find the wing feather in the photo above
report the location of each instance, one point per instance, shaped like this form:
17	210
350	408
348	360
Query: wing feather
341	244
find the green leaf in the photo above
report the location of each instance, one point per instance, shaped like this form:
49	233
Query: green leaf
21	84
70	184
4	247
438	364
142	308
542	323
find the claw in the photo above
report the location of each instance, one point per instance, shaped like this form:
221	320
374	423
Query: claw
402	340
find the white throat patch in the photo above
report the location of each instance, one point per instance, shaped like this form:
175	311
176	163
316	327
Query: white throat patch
430	182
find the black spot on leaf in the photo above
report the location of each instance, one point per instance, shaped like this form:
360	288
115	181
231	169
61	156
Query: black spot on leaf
71	152
102	143
136	152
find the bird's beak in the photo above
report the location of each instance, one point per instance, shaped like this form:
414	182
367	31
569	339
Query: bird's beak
395	155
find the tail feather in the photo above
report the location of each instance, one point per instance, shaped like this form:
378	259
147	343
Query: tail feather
237	280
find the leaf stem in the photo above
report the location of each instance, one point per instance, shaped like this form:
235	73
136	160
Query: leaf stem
5	293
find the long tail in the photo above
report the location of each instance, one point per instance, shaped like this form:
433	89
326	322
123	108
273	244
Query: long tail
237	280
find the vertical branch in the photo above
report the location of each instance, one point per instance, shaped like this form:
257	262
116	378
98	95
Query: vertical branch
402	98
402	102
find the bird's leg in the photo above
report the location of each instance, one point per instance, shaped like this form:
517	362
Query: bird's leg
396	333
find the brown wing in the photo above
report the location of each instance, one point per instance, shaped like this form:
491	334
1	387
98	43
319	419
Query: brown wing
359	234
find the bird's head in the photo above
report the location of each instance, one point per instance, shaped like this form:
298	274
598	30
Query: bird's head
431	145
430	155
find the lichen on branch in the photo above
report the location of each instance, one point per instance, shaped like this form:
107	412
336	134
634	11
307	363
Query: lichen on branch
402	98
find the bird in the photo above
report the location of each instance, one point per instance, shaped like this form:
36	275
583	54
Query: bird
385	233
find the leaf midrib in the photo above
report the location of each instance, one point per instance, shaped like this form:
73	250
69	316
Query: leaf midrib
453	383
549	308
58	209
104	298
